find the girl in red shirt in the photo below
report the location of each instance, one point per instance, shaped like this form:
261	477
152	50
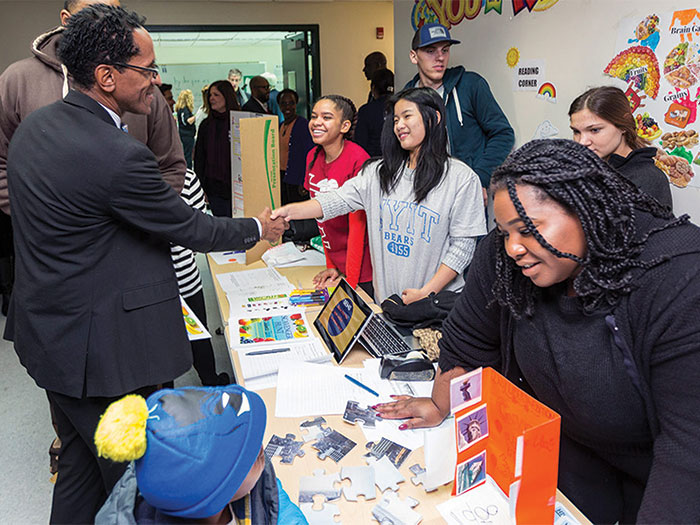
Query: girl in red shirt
333	161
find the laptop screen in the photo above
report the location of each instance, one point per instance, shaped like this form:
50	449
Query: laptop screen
341	320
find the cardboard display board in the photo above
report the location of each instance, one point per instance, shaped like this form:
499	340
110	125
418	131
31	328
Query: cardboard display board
260	173
509	435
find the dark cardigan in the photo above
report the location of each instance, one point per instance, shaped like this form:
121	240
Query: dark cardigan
658	335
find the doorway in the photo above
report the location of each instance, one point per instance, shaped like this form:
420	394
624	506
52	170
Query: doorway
191	57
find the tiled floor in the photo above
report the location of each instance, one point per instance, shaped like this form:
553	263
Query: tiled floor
26	431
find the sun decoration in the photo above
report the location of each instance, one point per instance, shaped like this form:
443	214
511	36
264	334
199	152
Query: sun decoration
512	57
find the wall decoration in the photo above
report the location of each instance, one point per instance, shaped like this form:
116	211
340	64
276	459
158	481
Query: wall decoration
639	66
685	23
529	75
452	12
547	92
512	57
647	33
662	79
682	65
545	130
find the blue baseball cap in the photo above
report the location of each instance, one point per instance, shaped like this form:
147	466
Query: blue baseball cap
202	442
431	34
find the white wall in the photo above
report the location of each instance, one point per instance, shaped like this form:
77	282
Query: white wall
576	38
347	29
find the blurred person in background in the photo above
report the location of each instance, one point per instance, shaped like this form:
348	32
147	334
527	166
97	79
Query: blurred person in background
370	117
212	157
295	144
185	122
203	110
235	77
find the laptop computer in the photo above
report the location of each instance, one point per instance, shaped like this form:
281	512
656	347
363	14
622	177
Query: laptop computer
346	319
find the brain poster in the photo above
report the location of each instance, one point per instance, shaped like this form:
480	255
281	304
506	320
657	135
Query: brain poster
657	63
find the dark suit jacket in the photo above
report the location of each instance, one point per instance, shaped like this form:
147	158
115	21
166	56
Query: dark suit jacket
254	107
95	308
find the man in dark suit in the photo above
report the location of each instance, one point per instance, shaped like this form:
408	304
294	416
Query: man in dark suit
259	96
95	312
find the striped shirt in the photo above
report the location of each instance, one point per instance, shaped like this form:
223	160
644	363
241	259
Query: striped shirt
186	270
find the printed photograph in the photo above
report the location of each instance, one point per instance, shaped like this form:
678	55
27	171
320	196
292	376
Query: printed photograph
471	472
465	390
472	427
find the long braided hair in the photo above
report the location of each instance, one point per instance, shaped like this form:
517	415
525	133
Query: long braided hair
347	112
606	204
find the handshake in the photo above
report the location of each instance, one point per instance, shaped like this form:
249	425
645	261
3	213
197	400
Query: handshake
274	223
272	228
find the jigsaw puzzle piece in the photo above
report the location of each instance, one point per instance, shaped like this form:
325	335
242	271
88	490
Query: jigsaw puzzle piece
391	510
419	477
324	516
386	475
362	479
396	453
320	483
312	429
333	444
285	447
355	414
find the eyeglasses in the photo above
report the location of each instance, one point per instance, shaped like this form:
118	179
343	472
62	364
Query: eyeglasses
264	88
152	70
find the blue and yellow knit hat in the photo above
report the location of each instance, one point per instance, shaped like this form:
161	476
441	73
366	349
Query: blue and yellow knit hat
193	447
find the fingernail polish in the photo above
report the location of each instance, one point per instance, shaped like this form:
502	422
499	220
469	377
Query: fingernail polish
374	407
404	426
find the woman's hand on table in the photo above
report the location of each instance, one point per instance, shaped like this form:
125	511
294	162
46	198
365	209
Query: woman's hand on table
419	412
326	278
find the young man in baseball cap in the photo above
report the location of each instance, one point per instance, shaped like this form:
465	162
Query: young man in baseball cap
479	132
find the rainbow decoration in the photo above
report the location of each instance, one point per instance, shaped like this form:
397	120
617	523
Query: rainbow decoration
548	92
636	65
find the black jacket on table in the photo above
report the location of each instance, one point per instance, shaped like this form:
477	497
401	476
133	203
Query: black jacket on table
658	340
95	308
639	168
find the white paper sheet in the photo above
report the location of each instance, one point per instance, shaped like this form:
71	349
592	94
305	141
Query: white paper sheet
562	516
309	258
485	503
259	365
260	279
308	389
228	257
440	454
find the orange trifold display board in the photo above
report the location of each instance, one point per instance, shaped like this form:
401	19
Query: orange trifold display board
509	435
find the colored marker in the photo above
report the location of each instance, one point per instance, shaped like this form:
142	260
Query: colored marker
356	382
273	351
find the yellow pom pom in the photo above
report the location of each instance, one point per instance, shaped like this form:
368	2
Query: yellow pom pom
121	432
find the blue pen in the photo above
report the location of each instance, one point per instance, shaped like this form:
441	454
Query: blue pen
356	382
265	352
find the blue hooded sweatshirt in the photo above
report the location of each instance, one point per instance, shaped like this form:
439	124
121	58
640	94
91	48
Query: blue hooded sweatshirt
479	132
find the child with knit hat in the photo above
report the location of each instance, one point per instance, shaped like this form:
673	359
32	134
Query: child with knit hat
197	457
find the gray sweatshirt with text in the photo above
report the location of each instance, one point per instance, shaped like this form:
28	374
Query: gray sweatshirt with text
408	241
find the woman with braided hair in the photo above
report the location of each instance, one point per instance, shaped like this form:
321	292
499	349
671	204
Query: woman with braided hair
586	295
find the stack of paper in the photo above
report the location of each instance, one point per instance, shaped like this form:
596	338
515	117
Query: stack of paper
261	365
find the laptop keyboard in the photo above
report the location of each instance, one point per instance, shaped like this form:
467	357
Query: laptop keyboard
384	340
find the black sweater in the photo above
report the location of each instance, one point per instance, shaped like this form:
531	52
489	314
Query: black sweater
658	347
639	168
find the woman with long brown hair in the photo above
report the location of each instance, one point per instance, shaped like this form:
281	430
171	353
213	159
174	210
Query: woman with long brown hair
212	152
601	120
